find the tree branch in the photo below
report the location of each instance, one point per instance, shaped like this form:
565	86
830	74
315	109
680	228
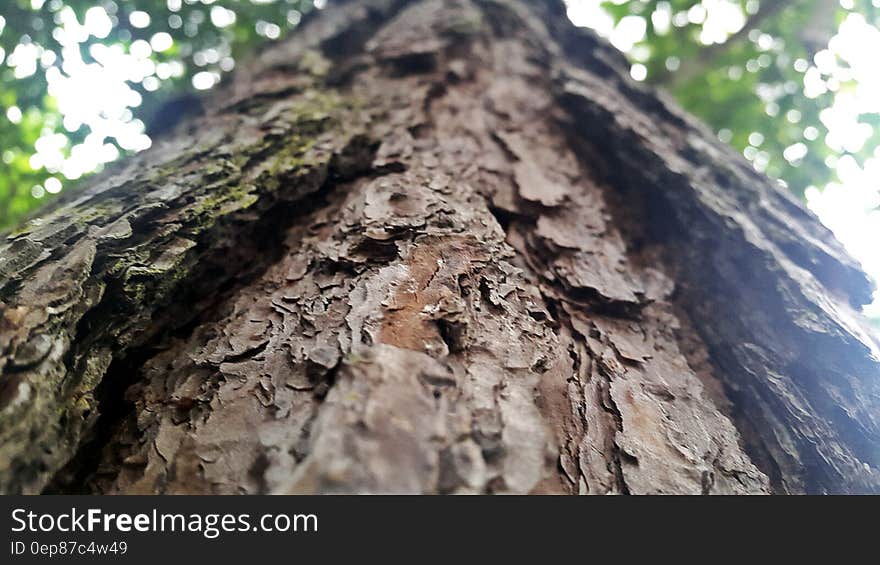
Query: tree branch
711	53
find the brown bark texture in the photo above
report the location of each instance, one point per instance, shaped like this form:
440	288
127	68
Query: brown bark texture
435	247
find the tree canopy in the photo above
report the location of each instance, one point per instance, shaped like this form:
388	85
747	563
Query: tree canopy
772	78
81	81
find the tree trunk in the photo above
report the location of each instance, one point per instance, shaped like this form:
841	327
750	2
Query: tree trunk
435	246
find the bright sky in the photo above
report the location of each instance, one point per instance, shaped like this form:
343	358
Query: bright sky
848	208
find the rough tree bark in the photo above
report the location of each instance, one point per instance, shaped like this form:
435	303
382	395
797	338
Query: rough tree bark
435	246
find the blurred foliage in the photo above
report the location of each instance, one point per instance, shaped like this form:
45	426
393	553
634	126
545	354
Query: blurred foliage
45	39
751	88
